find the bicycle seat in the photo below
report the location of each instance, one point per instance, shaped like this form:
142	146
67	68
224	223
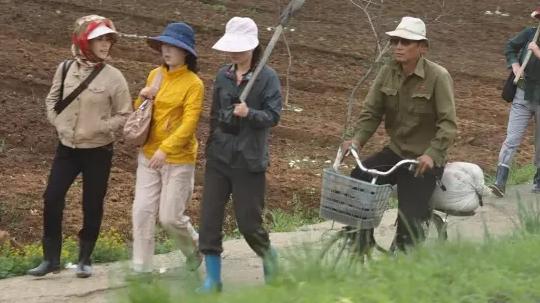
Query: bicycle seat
457	213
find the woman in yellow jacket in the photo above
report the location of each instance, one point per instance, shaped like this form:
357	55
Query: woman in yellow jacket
166	163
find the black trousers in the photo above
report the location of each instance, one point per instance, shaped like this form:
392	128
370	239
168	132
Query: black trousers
414	193
95	166
247	190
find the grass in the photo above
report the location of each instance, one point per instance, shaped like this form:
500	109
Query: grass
296	215
497	270
15	262
279	220
110	247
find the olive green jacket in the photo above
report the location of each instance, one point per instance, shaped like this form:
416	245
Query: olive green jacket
418	110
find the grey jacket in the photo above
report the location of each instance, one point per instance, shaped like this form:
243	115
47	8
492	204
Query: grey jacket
515	51
243	142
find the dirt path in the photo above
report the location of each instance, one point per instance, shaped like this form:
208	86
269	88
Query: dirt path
241	266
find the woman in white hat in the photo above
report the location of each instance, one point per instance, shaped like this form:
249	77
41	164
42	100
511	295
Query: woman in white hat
415	98
237	150
89	100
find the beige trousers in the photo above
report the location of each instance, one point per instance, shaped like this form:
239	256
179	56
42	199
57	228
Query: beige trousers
165	192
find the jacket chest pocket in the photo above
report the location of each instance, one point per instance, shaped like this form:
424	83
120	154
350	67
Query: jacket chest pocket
390	99
98	94
97	89
422	104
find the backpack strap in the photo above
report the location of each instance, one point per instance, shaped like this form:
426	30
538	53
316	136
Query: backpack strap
65	68
63	103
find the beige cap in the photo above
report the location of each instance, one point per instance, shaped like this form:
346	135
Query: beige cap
410	28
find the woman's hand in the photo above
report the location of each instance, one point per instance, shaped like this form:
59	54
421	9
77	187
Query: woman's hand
241	109
147	93
515	68
158	160
534	48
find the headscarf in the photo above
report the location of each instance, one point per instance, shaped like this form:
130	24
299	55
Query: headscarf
80	45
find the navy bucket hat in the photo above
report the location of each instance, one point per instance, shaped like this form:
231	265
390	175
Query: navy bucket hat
177	34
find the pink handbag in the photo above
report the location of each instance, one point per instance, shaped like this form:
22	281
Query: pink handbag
137	125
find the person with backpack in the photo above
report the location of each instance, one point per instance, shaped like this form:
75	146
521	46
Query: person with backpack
166	162
88	101
237	150
525	105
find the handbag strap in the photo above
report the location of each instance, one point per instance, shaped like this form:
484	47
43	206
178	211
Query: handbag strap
156	83
63	103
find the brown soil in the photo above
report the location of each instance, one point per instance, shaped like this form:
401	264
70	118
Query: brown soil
331	45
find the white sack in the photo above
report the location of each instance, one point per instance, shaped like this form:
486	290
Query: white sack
464	184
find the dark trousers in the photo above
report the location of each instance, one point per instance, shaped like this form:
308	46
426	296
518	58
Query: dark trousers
247	189
95	166
414	194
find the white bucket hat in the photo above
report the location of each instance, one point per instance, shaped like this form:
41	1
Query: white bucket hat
410	28
101	30
241	34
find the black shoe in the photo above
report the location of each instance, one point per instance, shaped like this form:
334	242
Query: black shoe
83	270
44	268
51	258
497	190
499	187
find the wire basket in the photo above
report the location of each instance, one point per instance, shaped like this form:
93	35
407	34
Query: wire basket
351	201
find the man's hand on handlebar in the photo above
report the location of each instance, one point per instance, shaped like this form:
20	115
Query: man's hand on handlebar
347	145
425	163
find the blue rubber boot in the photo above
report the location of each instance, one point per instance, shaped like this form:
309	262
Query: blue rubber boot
212	282
270	266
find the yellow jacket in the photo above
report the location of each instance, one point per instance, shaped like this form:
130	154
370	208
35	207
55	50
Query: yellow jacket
177	108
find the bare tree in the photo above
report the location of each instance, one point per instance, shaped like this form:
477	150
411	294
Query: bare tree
366	6
289	64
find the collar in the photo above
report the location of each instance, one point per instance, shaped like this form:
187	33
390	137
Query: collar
418	70
173	74
82	69
231	73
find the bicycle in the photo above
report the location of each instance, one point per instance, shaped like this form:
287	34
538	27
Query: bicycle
360	206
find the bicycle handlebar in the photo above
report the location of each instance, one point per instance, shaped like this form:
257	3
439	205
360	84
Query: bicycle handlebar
371	171
376	172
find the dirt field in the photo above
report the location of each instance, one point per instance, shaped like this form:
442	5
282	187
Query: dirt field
331	46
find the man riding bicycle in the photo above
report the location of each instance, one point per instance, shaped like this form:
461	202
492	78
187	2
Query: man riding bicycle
415	98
